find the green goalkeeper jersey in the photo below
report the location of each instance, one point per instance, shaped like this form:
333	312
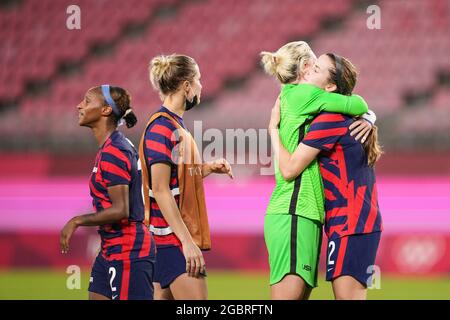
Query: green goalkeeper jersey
300	103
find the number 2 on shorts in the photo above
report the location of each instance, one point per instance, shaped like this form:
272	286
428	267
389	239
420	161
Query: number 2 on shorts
331	248
112	272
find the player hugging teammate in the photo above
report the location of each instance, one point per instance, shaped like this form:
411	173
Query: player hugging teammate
352	220
320	167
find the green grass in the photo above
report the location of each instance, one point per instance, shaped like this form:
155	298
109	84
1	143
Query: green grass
51	284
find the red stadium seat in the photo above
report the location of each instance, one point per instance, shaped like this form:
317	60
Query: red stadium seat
401	57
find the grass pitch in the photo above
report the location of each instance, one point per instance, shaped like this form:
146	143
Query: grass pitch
51	285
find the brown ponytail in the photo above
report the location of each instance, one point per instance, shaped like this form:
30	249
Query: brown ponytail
372	147
130	118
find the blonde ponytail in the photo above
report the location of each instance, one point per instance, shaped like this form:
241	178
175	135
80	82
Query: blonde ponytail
168	71
158	68
287	62
270	62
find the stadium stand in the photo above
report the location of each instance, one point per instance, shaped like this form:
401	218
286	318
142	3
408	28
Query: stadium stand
393	61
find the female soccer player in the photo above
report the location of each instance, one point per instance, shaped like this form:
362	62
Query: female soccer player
294	217
175	172
353	222
124	267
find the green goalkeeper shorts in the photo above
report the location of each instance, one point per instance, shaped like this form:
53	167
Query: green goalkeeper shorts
293	243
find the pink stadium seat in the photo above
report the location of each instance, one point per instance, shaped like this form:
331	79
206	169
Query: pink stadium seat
441	99
403	56
23	32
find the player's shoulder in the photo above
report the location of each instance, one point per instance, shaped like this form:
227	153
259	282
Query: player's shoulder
297	92
161	122
121	145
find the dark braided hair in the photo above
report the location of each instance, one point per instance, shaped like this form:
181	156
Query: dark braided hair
123	101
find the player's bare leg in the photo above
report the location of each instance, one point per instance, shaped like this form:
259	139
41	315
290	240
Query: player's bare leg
189	288
160	293
348	288
291	287
97	296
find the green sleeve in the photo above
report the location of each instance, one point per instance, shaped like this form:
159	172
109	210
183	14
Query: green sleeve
353	105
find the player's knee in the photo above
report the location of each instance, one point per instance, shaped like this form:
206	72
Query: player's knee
286	295
350	293
200	296
285	291
350	296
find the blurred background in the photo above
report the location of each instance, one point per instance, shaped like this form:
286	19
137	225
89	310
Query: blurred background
45	158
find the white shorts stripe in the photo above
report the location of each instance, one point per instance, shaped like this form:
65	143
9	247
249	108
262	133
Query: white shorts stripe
161	231
175	192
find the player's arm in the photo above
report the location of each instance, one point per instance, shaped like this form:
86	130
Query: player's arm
116	212
219	166
160	173
353	105
290	165
160	144
332	102
119	210
362	126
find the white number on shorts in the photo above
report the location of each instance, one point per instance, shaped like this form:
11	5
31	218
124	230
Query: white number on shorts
112	272
331	248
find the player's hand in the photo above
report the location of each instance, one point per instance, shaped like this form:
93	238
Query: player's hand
194	259
221	166
275	115
66	234
361	129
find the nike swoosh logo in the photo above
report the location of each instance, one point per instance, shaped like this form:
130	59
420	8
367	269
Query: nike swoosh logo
115	296
328	270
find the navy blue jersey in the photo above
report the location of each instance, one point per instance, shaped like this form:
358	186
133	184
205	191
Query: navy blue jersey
117	163
161	140
351	201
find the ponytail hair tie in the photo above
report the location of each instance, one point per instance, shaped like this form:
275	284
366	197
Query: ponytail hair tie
127	112
274	59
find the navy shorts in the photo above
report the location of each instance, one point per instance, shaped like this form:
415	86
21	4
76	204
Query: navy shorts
170	264
352	255
123	279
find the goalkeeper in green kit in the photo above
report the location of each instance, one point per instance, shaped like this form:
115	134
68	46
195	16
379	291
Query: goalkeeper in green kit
294	217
